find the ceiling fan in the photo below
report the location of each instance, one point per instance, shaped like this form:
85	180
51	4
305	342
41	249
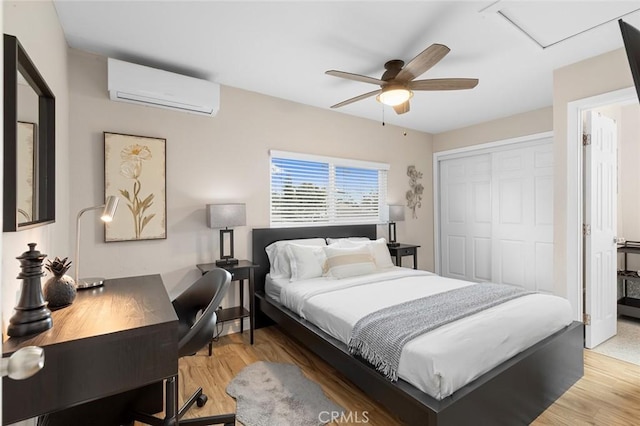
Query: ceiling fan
397	83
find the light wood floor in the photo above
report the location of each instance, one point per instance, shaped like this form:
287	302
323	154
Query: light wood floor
607	395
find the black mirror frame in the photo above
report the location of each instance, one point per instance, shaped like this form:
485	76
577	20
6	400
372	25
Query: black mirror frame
16	59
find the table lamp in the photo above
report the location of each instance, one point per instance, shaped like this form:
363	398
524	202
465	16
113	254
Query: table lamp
108	210
396	214
226	216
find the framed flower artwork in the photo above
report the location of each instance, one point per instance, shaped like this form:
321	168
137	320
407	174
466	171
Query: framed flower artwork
135	172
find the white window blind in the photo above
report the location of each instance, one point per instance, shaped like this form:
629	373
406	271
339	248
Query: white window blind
315	190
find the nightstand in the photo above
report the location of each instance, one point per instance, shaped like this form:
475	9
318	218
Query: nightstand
404	250
243	270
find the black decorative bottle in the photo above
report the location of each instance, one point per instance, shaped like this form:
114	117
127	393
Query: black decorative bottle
32	315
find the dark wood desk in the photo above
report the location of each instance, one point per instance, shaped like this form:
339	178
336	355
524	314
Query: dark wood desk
112	339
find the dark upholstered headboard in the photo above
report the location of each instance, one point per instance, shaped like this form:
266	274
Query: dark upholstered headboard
262	237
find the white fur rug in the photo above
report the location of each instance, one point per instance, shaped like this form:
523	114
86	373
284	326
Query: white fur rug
269	394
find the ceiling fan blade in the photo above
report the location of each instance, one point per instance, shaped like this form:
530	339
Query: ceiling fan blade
424	61
356	77
356	99
444	84
402	108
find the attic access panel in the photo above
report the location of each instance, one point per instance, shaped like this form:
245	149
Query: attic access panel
549	23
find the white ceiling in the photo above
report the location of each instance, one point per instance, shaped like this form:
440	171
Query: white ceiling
282	49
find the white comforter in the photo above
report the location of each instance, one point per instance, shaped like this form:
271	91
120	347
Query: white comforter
443	360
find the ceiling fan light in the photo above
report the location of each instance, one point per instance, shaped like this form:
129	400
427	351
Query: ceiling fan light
393	96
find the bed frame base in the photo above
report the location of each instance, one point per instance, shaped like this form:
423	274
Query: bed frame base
514	393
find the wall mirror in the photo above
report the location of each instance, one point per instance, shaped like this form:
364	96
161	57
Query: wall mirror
29	142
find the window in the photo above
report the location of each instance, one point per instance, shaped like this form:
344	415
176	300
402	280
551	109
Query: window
314	190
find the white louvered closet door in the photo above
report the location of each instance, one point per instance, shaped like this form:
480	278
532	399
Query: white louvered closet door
496	216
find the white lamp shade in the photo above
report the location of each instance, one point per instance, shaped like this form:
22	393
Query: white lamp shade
396	213
226	215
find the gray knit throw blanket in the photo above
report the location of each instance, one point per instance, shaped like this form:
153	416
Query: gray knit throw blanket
380	336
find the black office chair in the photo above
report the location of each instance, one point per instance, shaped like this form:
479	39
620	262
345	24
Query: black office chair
195	331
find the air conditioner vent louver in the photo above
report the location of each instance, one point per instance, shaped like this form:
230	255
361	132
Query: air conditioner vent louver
150	86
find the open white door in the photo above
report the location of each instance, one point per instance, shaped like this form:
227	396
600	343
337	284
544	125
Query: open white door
600	217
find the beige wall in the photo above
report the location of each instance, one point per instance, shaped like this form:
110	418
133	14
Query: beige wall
528	123
38	30
629	177
219	159
627	118
601	74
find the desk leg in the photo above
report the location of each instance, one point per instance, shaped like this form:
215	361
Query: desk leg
252	313
398	260
415	260
241	305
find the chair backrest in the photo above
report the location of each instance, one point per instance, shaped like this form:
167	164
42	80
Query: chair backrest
196	330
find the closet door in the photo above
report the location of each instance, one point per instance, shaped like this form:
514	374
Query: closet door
496	216
522	237
465	218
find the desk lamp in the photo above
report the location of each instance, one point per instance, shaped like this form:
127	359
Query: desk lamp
226	216
396	214
108	210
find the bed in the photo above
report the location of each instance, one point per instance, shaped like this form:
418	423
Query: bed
514	392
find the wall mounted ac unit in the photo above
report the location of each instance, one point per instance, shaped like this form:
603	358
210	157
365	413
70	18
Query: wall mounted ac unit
150	86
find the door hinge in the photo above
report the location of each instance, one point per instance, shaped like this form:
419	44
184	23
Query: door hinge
586	319
586	229
586	139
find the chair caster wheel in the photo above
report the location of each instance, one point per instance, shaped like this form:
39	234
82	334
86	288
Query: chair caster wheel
202	399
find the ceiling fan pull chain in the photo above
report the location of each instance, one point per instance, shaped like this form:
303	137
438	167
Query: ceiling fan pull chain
382	105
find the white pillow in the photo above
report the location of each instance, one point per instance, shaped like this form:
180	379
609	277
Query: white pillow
380	253
305	261
378	248
279	259
352	239
348	262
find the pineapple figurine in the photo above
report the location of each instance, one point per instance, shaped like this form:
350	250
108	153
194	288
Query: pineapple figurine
60	289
